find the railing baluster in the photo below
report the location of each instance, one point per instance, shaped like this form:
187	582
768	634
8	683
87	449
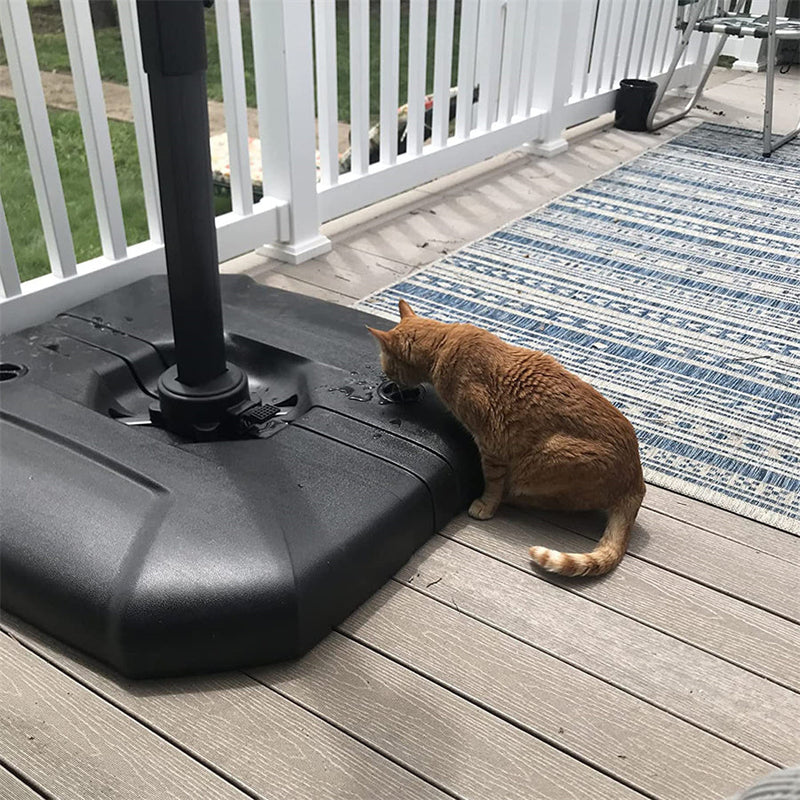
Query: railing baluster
9	275
665	40
488	65
443	59
618	24
327	99
15	25
511	59
631	37
658	22
417	70
390	78
584	26
79	34
467	47
600	48
642	37
142	121
533	23
359	86
231	61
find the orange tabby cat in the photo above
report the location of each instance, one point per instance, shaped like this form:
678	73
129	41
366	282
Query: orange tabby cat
546	438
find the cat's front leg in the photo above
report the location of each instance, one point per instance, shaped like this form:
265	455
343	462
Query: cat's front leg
494	483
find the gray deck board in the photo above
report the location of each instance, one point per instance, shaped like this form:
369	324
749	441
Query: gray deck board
721	563
344	275
12	788
267	743
452	742
780	544
750	637
467	676
348	271
281	280
63	737
627	738
693	685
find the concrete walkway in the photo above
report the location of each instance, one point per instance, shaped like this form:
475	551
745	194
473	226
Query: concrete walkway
59	92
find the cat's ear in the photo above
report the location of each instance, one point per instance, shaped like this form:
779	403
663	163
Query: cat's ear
405	310
383	337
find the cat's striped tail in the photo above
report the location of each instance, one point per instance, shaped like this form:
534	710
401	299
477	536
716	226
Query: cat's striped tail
609	551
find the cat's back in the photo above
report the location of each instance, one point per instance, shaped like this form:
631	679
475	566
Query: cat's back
539	383
522	381
507	368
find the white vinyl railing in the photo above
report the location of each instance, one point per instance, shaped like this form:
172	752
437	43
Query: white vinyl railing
537	66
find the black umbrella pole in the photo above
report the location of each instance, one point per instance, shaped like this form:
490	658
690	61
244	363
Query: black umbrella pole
174	51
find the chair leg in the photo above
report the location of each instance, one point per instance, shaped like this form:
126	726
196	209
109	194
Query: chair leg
691	21
652	124
686	35
777	143
769	99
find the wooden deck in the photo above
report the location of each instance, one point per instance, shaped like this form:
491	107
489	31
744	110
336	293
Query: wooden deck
676	677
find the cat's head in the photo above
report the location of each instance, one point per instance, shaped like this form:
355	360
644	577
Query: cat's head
405	356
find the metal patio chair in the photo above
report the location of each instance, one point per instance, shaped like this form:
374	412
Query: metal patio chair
727	19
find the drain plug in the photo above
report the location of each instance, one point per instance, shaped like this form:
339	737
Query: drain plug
390	392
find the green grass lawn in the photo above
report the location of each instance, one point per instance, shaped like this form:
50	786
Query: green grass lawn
343	54
19	201
15	182
51	49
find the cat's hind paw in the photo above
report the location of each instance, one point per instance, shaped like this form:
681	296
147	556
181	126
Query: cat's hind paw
481	510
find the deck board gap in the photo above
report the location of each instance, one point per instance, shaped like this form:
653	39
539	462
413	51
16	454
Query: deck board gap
653	563
609	607
590	672
35	788
220	773
509	720
646	624
360	739
725	536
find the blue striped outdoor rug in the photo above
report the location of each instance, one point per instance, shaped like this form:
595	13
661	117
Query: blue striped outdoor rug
672	284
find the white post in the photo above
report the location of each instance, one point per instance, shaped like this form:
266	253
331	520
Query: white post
552	85
753	53
283	58
15	25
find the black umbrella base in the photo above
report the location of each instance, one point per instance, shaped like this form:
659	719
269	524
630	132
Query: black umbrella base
162	554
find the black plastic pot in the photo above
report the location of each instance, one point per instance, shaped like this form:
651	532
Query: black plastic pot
634	99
